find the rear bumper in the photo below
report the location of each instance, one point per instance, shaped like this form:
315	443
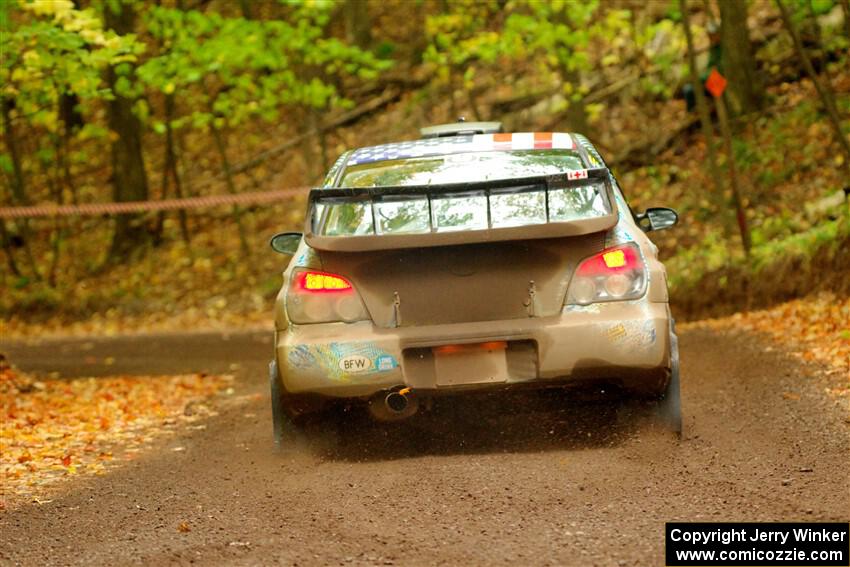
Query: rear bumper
626	343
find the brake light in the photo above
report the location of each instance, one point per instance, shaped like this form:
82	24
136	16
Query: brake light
323	282
614	274
615	259
321	297
611	261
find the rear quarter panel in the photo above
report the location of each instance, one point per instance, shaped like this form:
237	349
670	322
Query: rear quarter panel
627	230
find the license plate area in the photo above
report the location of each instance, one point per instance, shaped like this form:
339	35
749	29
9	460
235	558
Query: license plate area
470	364
482	363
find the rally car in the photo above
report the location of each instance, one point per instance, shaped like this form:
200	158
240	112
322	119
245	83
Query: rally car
469	260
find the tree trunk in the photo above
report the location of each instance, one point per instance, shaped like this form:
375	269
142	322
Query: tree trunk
8	247
231	187
170	174
18	186
813	25
576	113
312	168
740	213
472	98
739	65
69	112
171	149
58	177
129	179
845	6
245	8
56	234
704	114
418	43
824	91
323	142
19	193
358	25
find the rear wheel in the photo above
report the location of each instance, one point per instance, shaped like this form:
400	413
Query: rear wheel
286	433
669	408
316	430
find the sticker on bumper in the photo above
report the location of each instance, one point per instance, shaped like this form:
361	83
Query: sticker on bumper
385	362
340	361
355	364
633	334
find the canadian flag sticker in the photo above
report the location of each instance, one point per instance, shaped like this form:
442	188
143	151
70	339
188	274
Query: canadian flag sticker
577	174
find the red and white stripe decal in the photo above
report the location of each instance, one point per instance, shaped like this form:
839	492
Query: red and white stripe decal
525	141
543	140
503	142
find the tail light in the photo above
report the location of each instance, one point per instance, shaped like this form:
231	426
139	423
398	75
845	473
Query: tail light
614	274
320	297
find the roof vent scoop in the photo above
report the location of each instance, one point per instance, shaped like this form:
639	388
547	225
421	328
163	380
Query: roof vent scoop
460	128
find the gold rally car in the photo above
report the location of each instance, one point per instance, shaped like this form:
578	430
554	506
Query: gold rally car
467	260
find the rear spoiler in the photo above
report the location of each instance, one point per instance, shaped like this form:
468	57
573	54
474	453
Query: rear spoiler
543	228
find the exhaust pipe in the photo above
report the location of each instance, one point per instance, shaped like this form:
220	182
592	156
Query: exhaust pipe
398	404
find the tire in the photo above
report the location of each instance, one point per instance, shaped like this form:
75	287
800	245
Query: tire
315	431
286	433
669	408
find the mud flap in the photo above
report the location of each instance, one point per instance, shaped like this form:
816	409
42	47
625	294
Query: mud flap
669	408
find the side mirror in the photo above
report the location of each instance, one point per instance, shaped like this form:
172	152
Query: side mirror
286	242
657	218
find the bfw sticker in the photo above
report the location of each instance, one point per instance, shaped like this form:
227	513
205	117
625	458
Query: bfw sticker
355	363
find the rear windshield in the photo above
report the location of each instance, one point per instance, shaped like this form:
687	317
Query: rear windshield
461	168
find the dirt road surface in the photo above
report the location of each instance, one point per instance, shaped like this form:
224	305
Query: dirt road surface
532	481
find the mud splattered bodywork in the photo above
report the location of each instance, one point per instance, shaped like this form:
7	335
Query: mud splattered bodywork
384	294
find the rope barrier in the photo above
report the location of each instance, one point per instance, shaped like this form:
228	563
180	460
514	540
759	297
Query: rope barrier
96	209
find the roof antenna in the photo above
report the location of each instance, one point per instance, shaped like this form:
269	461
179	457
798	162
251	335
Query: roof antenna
461	118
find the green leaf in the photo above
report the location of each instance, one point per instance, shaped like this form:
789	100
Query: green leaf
6	164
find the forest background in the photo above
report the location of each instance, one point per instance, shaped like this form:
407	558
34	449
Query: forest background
119	101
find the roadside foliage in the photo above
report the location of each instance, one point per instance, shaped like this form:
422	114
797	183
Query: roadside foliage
815	329
53	429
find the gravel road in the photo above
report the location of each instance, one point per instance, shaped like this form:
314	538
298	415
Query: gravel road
516	481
